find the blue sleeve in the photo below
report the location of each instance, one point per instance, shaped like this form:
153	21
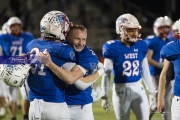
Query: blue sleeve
106	51
150	43
87	59
170	51
143	46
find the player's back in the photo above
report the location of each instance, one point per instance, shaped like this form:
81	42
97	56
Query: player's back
126	59
43	83
171	52
88	60
15	45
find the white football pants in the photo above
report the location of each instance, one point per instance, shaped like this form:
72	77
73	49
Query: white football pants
130	96
175	108
41	110
79	112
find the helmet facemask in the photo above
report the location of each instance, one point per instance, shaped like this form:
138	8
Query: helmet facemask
129	34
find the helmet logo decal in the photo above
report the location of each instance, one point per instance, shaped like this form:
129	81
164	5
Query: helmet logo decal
42	28
15	82
93	65
122	20
71	55
62	21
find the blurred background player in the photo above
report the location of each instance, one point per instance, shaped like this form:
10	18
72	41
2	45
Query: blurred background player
3	87
175	33
127	58
171	55
155	43
168	19
14	44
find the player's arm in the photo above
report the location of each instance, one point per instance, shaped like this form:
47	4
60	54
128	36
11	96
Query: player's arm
151	61
146	75
164	81
108	66
87	81
68	76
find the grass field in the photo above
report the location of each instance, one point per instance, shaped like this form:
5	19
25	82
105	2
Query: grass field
99	113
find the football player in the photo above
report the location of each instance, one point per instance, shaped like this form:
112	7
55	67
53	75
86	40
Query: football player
126	58
14	44
171	54
3	87
155	43
78	96
80	100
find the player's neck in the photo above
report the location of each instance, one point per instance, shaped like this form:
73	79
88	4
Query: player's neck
126	43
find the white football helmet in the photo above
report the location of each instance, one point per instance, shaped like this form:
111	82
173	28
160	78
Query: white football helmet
175	29
54	24
169	20
127	21
11	21
179	26
14	75
160	22
4	28
175	25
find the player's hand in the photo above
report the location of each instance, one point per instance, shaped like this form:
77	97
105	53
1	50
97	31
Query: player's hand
161	105
100	70
106	105
44	57
153	101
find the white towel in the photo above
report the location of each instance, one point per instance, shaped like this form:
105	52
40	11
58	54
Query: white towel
38	107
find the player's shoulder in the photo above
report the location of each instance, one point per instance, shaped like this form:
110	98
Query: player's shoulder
87	49
110	44
28	34
5	35
169	45
6	38
141	43
170	49
64	48
150	38
34	41
87	52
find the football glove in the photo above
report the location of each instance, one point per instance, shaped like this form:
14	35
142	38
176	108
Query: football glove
153	101
106	105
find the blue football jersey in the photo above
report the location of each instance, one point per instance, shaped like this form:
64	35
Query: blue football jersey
13	45
156	43
87	59
171	52
127	61
43	83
